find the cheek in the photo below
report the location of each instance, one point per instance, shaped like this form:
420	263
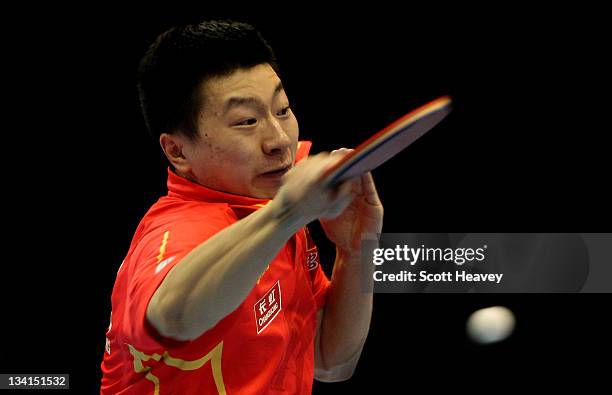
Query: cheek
233	157
291	128
294	134
294	129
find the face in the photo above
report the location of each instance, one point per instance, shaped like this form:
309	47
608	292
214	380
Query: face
247	135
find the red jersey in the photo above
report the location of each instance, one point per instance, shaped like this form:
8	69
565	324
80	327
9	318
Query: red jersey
265	346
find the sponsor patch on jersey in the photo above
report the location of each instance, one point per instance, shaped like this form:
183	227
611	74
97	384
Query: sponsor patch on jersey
268	307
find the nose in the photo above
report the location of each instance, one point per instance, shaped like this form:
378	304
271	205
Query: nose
276	140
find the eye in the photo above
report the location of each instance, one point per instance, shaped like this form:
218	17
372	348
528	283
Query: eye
284	111
247	122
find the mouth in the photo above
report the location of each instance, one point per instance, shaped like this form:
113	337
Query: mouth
277	173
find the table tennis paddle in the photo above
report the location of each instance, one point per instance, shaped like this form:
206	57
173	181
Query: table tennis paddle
388	142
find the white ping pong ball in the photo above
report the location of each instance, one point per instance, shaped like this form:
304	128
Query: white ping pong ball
490	325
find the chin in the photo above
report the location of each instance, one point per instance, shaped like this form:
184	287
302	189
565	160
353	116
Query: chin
267	193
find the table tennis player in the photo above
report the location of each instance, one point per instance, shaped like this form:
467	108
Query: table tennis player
222	290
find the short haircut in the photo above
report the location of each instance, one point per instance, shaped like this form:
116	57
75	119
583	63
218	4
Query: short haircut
182	59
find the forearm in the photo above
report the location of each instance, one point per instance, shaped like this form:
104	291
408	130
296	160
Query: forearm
346	320
214	278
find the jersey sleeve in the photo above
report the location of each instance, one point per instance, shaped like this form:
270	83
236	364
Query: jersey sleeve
156	254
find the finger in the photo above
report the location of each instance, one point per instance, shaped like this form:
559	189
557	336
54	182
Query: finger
339	205
369	189
338	154
341	151
307	168
357	186
341	190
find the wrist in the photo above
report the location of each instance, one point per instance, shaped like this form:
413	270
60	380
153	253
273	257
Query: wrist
287	216
353	255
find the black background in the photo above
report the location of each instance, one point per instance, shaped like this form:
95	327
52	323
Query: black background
523	151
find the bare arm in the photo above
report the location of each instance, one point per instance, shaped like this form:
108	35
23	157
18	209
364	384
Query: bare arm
220	272
215	277
345	321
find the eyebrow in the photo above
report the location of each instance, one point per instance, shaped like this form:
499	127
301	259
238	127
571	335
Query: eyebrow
237	101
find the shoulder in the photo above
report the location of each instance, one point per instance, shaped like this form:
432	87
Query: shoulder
188	221
169	210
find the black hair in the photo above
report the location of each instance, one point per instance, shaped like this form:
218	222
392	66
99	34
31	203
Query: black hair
180	60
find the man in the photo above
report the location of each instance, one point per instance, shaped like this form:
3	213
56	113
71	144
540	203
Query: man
221	290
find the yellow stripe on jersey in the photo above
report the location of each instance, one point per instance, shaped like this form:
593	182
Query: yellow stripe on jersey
162	248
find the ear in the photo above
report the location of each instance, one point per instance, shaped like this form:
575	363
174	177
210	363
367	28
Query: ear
174	146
